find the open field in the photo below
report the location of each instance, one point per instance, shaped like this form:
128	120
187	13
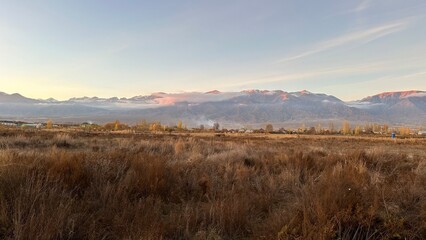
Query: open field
76	185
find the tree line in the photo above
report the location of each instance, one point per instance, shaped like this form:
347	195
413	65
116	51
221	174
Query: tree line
346	128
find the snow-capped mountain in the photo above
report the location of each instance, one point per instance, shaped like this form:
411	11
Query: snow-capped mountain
233	108
406	106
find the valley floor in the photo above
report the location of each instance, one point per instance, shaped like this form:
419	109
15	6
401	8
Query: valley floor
76	185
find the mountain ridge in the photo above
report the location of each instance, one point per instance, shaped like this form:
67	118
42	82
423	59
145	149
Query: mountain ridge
253	106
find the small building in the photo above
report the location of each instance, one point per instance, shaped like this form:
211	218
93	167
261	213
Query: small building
8	123
423	133
32	125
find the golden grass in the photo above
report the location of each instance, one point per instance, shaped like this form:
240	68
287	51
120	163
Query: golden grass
138	186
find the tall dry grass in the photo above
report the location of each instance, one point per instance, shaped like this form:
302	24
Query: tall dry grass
83	186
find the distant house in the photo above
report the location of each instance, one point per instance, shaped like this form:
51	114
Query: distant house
8	123
421	133
32	125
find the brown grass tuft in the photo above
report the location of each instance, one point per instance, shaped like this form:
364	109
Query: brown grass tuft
104	186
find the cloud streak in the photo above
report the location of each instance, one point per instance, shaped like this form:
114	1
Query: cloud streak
307	75
362	6
400	77
363	37
348	70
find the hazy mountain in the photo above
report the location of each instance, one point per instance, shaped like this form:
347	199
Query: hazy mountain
15	98
228	108
399	107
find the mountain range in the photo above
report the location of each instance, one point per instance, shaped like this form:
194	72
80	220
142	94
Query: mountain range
230	109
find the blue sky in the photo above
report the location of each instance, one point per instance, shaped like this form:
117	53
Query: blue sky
349	49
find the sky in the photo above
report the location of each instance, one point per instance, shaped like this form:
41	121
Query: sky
349	49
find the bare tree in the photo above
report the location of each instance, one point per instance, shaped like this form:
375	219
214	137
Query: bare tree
269	128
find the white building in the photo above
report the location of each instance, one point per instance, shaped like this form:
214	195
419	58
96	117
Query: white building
7	123
32	125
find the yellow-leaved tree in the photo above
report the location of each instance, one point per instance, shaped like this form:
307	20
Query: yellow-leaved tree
357	130
49	124
346	127
116	125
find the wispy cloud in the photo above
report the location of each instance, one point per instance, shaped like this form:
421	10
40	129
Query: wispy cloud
363	5
363	37
400	77
307	75
348	70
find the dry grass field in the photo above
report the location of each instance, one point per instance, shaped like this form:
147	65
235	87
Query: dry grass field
78	185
